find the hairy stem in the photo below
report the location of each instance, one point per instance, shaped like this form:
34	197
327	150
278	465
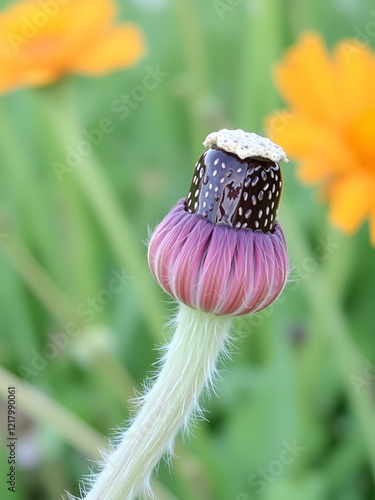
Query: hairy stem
189	363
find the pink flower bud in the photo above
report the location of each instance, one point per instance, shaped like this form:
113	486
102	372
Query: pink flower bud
221	250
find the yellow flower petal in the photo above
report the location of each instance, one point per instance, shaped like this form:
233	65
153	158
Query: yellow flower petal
307	80
8	79
361	138
38	45
372	227
355	68
50	38
316	145
121	48
332	133
351	201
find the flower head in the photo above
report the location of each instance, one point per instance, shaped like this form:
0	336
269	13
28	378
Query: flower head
331	132
221	250
40	41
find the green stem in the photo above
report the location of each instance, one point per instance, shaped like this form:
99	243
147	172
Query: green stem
58	304
61	127
261	47
38	280
189	364
197	68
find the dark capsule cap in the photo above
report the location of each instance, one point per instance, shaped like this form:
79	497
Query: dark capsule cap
234	192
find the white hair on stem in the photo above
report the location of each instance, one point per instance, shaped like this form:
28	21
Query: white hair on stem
187	366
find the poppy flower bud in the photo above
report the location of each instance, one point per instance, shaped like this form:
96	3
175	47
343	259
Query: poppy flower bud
221	250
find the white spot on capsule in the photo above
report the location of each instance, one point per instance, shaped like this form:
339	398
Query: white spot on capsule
216	161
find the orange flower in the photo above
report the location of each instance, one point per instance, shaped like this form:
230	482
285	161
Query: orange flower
42	40
330	128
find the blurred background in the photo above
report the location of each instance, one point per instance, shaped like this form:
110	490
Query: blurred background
81	315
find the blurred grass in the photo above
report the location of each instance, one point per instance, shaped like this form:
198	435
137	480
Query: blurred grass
61	242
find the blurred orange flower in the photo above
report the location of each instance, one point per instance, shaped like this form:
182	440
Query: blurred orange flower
331	125
42	40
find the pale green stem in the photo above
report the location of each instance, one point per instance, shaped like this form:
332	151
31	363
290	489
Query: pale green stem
38	280
261	42
58	304
189	364
57	110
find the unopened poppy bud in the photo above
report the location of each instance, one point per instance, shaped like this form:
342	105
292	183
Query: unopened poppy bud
221	250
